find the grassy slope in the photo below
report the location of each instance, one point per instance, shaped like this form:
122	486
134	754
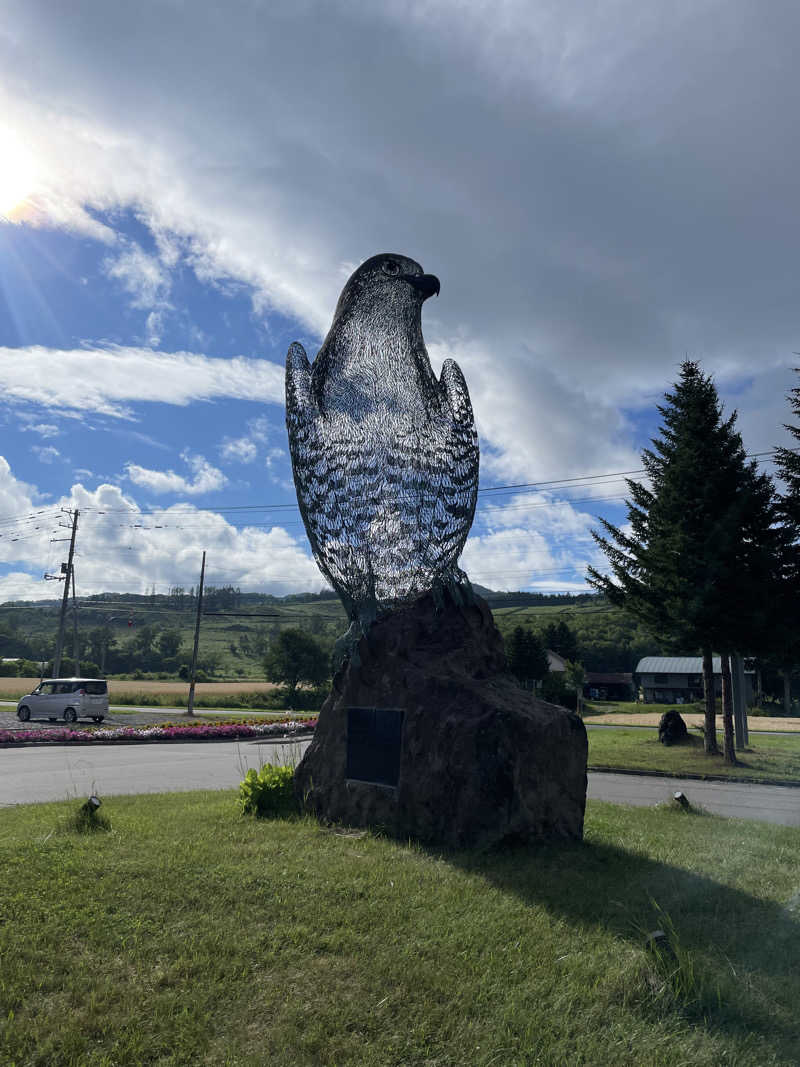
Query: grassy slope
325	618
765	758
192	935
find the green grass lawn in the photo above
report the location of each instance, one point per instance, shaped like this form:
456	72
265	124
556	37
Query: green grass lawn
631	707
189	934
765	757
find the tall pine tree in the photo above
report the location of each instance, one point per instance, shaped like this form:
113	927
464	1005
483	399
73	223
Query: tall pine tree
689	567
786	654
787	461
527	656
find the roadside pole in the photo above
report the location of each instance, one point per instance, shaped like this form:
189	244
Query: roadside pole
65	600
75	649
739	704
190	701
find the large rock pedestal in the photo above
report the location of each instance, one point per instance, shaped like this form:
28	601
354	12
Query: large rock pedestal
480	761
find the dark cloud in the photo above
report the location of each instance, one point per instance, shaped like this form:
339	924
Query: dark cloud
601	190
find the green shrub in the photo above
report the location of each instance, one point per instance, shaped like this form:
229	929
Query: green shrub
268	792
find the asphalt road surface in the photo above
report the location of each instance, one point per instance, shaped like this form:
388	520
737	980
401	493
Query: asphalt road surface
738	800
58	772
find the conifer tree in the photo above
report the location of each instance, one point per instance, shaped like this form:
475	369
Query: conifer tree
558	637
526	655
787	461
786	654
694	566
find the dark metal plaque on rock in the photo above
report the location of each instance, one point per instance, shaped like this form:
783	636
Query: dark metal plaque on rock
373	744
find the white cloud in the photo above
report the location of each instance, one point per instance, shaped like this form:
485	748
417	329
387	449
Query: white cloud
43	429
532	540
241	449
245	449
206	478
142	276
147	281
154	327
274	456
106	381
46	453
20	585
121	547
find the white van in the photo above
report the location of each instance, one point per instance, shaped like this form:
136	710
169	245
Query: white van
67	698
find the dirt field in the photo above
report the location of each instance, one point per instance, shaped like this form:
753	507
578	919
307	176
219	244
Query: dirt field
754	722
17	687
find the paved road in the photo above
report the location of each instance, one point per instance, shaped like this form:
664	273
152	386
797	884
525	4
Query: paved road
766	803
130	716
55	772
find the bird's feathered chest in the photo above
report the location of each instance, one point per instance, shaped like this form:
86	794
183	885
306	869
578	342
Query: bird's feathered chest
367	377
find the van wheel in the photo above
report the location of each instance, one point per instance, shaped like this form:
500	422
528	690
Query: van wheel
70	715
24	713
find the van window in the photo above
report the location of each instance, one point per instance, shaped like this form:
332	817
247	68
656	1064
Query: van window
95	688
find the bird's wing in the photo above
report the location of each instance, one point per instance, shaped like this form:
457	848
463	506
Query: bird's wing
458	487
305	443
319	462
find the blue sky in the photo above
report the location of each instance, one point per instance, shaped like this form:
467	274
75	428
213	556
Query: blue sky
182	195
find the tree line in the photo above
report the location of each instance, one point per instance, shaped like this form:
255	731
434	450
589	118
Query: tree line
710	557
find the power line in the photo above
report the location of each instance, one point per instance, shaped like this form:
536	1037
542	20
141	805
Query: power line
550	484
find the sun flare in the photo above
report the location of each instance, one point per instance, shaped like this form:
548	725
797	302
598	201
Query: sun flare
17	175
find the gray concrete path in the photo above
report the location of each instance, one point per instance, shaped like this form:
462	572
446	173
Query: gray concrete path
56	772
738	800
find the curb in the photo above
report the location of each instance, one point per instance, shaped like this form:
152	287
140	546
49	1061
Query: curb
786	783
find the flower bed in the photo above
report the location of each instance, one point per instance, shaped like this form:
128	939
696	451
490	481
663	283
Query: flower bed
169	731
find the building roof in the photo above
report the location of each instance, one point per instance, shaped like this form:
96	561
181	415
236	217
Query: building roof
555	662
677	665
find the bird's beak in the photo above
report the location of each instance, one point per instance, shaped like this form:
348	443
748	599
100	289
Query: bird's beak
427	284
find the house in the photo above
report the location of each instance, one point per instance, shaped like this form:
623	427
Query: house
603	685
555	663
679	679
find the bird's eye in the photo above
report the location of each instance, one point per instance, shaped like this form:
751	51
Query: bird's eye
391	267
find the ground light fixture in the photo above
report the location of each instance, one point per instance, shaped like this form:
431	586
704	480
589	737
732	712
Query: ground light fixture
681	799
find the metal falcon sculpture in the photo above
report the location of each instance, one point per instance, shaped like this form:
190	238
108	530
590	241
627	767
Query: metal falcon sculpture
385	457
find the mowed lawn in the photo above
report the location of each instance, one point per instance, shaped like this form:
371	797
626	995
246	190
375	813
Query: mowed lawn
765	758
189	934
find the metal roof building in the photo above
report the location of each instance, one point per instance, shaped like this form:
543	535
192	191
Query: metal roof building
677	665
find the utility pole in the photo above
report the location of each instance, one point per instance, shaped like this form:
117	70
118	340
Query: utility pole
75	628
65	599
190	702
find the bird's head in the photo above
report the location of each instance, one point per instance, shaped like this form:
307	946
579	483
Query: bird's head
387	284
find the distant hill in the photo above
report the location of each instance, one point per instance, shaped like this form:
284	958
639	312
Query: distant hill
153	632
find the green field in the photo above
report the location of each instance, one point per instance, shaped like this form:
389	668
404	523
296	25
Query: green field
765	758
191	934
220	637
228	640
